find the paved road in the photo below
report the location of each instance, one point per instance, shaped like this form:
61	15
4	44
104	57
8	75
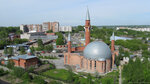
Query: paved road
120	79
59	63
4	68
3	82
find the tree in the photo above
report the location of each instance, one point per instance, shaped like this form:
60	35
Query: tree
26	77
32	50
5	51
10	51
89	79
10	64
49	48
2	72
136	71
22	50
19	41
40	45
18	72
59	41
38	80
50	31
70	76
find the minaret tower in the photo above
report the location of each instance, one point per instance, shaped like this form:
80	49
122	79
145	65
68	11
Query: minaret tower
87	28
69	43
113	49
113	43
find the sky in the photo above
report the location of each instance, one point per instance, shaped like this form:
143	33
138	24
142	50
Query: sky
73	12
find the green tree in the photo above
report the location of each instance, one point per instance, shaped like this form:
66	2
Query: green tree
40	43
2	72
70	76
18	72
26	77
32	50
49	48
10	51
59	41
89	79
22	50
10	64
5	51
38	80
50	31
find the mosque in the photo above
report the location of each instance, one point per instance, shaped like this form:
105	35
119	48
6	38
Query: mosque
93	57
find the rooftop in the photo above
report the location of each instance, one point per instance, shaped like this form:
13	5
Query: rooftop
23	57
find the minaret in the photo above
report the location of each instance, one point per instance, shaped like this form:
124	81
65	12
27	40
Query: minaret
29	52
87	28
113	42
69	43
113	49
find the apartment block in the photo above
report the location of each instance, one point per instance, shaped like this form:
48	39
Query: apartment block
65	28
31	28
54	26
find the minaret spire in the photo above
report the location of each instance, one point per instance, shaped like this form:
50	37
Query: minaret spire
69	43
69	37
113	49
113	36
87	28
87	14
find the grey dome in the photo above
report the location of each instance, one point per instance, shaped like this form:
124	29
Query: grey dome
97	51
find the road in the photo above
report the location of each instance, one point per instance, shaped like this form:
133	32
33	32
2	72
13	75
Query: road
3	82
59	63
4	68
120	79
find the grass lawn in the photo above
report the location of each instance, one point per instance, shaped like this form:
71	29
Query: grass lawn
61	74
110	78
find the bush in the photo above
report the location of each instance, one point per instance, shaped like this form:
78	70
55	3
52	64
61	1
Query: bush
38	80
2	72
52	66
10	65
18	72
55	82
26	77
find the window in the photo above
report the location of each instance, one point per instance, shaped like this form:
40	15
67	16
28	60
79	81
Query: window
95	65
90	64
87	64
81	63
66	59
102	66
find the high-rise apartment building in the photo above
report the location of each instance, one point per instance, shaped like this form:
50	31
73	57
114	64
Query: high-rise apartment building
65	28
31	28
54	26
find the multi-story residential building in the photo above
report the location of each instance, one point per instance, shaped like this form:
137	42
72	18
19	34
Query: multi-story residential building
31	28
46	26
65	28
135	29
54	26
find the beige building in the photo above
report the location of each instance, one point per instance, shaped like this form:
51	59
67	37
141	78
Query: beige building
31	28
65	28
54	26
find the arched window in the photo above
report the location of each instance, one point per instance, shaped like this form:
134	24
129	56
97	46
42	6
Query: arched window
66	59
82	63
90	64
102	66
95	65
87	64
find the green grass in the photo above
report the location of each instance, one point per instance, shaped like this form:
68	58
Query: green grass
62	74
48	57
110	78
57	74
